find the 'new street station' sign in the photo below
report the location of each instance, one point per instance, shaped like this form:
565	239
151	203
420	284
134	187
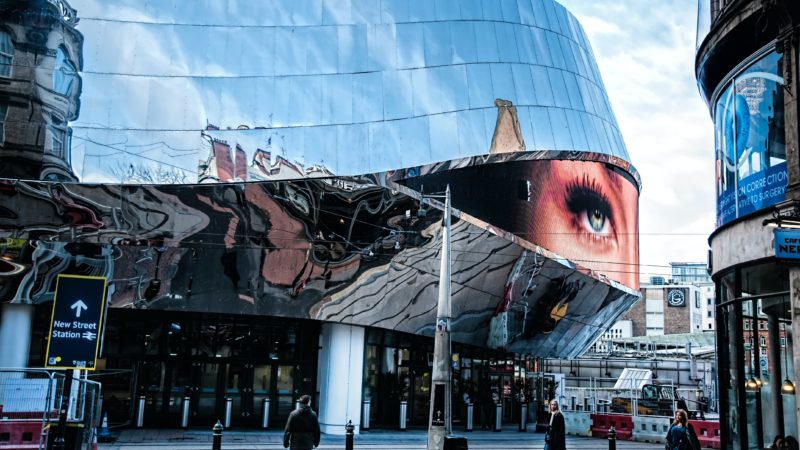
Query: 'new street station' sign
76	326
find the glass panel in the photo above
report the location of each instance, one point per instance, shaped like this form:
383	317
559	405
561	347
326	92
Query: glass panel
540	14
462	35
471	9
525	45
353	49
416	139
571	83
368	96
472	134
576	129
338	12
486	40
541	86
397	94
507	42
542	47
523	82
411	54
560	94
479	83
285	390
447	10
526	14
6	54
382	47
444	132
509	10
394	11
503	82
542	130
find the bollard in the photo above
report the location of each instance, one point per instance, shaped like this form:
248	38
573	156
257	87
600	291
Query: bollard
228	411
498	417
403	411
185	412
265	413
348	435
523	417
612	439
216	435
470	416
365	413
140	412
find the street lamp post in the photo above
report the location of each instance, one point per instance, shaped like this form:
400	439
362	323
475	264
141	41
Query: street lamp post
439	422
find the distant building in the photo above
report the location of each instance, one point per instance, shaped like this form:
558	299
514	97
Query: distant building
667	309
697	274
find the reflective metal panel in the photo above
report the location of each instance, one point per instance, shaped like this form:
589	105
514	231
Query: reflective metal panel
337	249
158	74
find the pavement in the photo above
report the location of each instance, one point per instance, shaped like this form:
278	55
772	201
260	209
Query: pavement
509	438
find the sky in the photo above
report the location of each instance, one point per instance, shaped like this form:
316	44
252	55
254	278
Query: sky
645	50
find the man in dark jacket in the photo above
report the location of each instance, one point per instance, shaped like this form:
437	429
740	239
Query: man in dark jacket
302	428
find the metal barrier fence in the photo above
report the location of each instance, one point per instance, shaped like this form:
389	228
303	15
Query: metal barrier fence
30	400
29	403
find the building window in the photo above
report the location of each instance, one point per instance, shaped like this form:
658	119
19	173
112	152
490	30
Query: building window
783	342
64	74
6	54
746	324
3	114
709	313
56	136
763	341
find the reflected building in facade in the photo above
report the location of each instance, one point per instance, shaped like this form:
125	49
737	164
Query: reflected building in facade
40	57
305	258
747	72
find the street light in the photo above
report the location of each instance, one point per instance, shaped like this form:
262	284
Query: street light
440	421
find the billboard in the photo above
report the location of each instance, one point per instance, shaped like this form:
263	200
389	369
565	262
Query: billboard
583	210
750	147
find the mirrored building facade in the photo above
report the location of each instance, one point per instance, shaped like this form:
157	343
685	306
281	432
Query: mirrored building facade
746	68
257	182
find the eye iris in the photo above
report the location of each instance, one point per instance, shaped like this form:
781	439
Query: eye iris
597	220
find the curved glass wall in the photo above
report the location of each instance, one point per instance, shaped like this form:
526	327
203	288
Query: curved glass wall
749	135
185	92
754	351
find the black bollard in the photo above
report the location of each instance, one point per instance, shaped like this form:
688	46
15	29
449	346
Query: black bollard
216	434
612	439
348	435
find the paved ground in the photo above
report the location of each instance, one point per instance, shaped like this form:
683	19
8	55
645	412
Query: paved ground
508	439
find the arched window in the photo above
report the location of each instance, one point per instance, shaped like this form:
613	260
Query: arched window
64	73
6	54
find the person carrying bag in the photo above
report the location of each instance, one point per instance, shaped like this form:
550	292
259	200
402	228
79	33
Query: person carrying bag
681	435
555	438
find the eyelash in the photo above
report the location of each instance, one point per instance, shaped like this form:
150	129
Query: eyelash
585	195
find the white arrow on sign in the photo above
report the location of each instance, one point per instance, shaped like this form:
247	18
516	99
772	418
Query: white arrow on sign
78	306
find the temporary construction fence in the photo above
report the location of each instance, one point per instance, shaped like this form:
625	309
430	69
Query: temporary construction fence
638	408
30	401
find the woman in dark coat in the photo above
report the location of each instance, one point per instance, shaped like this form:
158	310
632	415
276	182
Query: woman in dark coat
555	439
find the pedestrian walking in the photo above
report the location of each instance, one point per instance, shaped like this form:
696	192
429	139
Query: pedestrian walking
302	428
555	438
681	435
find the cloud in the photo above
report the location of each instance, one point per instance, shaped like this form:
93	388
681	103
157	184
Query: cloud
645	51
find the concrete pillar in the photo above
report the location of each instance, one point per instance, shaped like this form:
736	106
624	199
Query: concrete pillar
794	280
341	376
16	321
775	379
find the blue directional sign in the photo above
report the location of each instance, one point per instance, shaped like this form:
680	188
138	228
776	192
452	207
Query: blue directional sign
77	322
787	243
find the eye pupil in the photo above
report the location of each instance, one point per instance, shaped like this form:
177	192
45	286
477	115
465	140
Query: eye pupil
597	220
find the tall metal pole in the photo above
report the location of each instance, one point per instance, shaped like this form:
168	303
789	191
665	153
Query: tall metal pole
439	421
